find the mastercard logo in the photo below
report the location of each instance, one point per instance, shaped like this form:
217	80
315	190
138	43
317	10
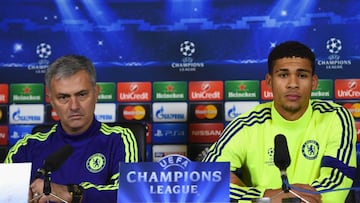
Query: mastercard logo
206	111
134	112
354	109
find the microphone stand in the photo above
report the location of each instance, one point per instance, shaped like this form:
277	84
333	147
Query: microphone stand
282	161
285	184
286	187
47	186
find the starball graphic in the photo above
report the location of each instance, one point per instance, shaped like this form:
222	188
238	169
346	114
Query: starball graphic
187	49
43	51
334	61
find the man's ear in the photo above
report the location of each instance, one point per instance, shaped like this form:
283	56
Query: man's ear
268	80
48	95
97	88
315	82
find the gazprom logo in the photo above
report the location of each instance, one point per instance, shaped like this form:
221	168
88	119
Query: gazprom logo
231	113
234	109
26	114
105	112
170	112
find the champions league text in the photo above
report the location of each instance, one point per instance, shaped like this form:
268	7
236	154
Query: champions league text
188	178
174	178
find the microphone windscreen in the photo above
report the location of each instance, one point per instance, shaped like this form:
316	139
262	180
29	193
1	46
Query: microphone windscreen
281	152
56	159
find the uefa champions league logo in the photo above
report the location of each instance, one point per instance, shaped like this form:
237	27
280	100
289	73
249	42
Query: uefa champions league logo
334	47
174	160
187	49
174	178
43	50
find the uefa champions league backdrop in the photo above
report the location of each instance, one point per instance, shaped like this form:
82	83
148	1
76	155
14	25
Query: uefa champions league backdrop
154	41
141	40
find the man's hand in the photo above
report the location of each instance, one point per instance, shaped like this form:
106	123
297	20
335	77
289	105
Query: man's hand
277	195
236	180
57	191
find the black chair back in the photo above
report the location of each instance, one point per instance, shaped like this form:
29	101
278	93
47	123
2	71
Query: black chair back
3	153
139	130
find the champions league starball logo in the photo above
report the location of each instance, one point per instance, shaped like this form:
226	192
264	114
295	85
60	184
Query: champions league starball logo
43	51
187	49
334	47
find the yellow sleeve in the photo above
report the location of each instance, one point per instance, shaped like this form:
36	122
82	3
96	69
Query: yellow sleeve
339	162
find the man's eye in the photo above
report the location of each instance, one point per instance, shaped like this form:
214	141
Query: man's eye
63	99
302	76
283	75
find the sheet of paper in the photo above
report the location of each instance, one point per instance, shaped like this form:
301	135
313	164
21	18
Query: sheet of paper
14	182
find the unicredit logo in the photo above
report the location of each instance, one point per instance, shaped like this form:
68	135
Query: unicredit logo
129	91
348	93
133	96
206	95
205	86
133	87
352	84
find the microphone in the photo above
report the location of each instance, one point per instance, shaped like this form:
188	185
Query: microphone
51	164
56	159
282	159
